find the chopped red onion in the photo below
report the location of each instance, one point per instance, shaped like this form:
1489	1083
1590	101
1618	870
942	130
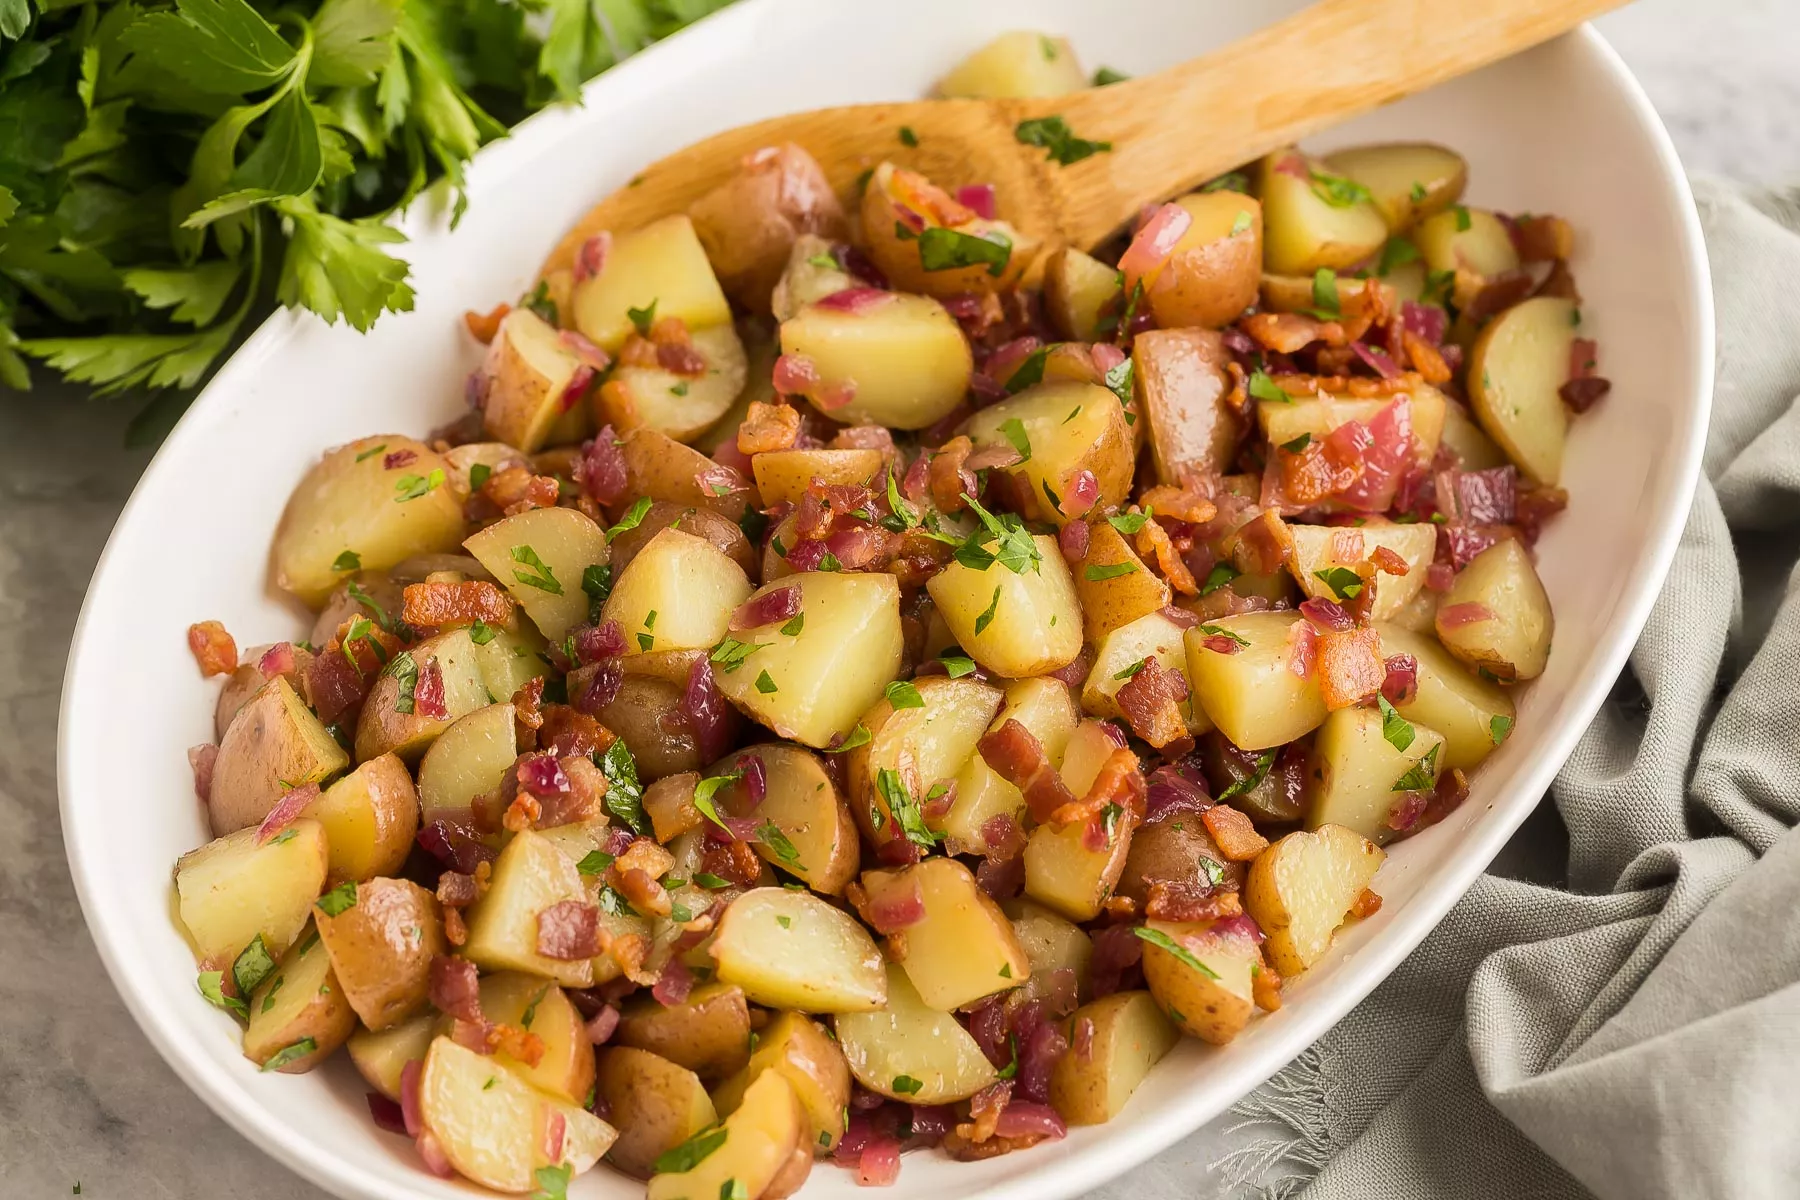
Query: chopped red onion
1024	1118
432	1152
1037	1058
542	775
292	803
781	604
674	984
795	375
1583	394
608	676
1376	360
1402	680
707	711
1240	926
679	358
1059	991
428	692
1076	673
1117	953
855	301
1174	790
1439	576
894	903
590	259
879	1164
1455	616
576	388
756	779
601	1025
398	459
978	198
387	1114
601	469
593	643
1327	616
1083	491
1406	811
1002	877
277	660
1180	617
1073	540
930	1122
1424	320
1106	356
201	760
585	350
454	846
1218	643
720	480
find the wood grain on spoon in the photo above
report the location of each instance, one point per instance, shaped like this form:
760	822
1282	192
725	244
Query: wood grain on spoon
1169	131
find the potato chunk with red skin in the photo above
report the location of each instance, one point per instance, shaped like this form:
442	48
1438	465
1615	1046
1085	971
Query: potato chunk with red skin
748	224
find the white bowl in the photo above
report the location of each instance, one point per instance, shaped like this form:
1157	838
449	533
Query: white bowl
1563	129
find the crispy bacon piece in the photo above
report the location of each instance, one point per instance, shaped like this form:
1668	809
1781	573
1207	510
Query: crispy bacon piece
483	326
768	427
514	490
1265	987
1388	561
528	718
443	605
1287	332
569	930
456	930
584	798
371	649
1262	545
948	475
985	1108
1151	701
567	732
1350	667
1543	239
1232	831
1366	904
1153	539
645	893
1425	358
1320	470
213	648
864	437
734	860
1016	755
1172	900
457	890
1120	782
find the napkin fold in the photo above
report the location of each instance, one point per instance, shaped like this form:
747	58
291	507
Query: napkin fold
1637	1035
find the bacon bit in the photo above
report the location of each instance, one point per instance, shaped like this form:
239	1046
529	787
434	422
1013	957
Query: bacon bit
1455	616
1286	333
1263	545
1542	239
1120	782
602	1025
590	259
1439	576
644	854
455	988
1183	900
528	717
569	733
1265	987
287	810
523	813
781	604
1350	667
913	194
733	860
514	490
1479	298
483	326
456	889
1016	755
1233	833
456	930
949	476
213	648
1151	701
682	359
585	796
855	301
768	427
1153	540
1326	616
1425	358
398	459
1186	503
879	1163
453	605
1388	561
368	661
1366	904
569	930
1582	394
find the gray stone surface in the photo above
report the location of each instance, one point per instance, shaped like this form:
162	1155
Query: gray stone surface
85	1100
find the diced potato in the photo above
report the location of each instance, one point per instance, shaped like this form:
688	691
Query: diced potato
1115	587
352	500
539	1007
1070	427
1370	298
1301	889
274	744
782	476
1355	770
760	1138
236	887
1473	714
725	536
530	875
468	761
1252	695
915	749
1475	449
1079	290
1178	849
541	556
952	254
708	1033
381	947
660	265
530	381
1202	977
827	675
1062	873
1321	547
1308	224
239	687
661	468
1150	636
370	817
1284	422
1129	1035
391	722
1020	63
512	658
1467	239
299	1003
494	1127
1210	277
636	714
1042	706
1181	385
963	948
1051	944
901	359
799	1048
1516	372
1015	625
680	406
790	949
911	1052
381	1057
803	805
677	594
657	1105
749	223
1508	630
1409	180
811	275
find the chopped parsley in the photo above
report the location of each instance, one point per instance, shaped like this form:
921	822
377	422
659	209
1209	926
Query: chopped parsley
1394	727
339	899
707	788
411	487
290	1054
730	654
906	1085
793	627
1241	224
1231	181
597	582
552	1182
530	1013
642	318
481	633
1015	549
1344	583
538	301
901	515
1163	941
1132	670
690	1153
406	673
1106	75
371	452
901	694
535	573
594	862
1118	381
1264	388
253	965
1218	577
770	835
987	618
479	475
349	560
212	986
858	736
824	262
1030	372
1128	523
1098	571
1014	429
1463	221
1397	252
1325	293
634	516
908	137
1252	781
1053	135
905	811
1339	192
766	684
624	794
956	663
1297	444
942	249
1423	773
1499	729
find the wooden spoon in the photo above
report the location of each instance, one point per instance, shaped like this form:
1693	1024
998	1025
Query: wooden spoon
1169	131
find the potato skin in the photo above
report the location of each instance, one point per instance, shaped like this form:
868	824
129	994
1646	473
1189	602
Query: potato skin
748	224
703	523
657	1105
708	1033
273	745
1211	277
1128	1036
1179	376
1170	851
381	948
800	1049
300	999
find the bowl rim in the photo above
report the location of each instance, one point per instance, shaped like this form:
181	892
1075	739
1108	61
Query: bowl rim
1132	1144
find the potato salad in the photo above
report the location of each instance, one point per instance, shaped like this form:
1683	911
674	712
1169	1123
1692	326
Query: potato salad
852	680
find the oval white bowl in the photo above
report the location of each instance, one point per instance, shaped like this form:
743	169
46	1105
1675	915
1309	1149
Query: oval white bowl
1563	129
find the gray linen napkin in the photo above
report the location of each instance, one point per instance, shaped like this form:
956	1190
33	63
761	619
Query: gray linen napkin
1636	1037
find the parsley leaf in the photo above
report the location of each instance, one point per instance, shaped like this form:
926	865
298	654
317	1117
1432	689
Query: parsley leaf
902	694
552	1182
290	1054
211	985
690	1153
1221	631
597	582
1163	941
1266	389
1344	583
1394	727
411	487
1296	445
1396	253
765	684
908	137
642	318
942	249
1325	292
253	965
1095	572
987	617
634	516
859	736
956	663
624	794
535	573
1338	191
1016	549
1423	773
338	900
707	788
1218	577
906	1085
405	670
349	560
1053	135
1106	75
1499	729
1014	429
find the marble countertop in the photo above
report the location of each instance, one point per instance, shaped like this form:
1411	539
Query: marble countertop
87	1106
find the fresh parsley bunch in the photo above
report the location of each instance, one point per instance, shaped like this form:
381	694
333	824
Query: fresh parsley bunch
168	172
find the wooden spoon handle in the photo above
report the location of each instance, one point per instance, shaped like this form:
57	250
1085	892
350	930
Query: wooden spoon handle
1325	64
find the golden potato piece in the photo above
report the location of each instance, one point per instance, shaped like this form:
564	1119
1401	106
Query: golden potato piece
370	817
542	557
1516	373
530	876
1079	290
1310	223
1051	944
1014	624
1250	693
1282	423
1358	765
760	1138
1202	977
381	944
1044	708
749	223
238	887
1069	427
1409	180
921	734
530	381
963	948
893	359
911	1052
681	406
1020	63
800	1049
1319	548
708	1033
1301	888
1473	714
811	274
656	1104
392	720
1211	275
782	476
1181	386
299	1014
977	255
660	269
468	761
790	949
1125	1035
274	744
381	1057
1117	660
1496	617
677	594
1471	240
818	843
1114	585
